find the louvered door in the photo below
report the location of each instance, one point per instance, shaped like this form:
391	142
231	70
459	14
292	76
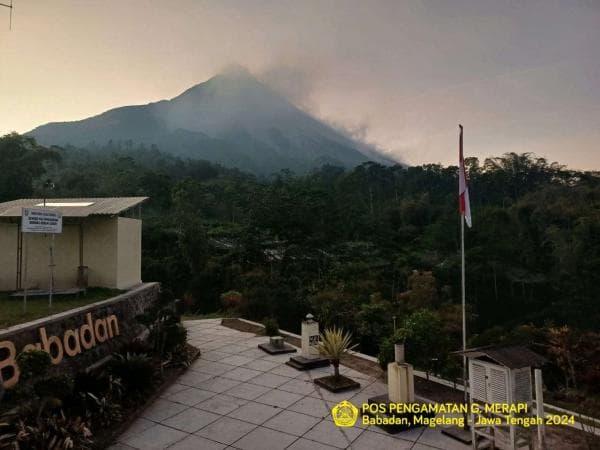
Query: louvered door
478	381
497	391
489	382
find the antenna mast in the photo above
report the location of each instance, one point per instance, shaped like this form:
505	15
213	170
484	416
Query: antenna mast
10	7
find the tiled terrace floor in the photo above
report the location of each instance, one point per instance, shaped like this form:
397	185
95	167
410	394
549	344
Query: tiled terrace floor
237	396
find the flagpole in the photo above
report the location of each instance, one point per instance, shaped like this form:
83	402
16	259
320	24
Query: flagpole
464	320
463	295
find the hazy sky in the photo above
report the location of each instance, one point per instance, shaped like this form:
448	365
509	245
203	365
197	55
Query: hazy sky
519	75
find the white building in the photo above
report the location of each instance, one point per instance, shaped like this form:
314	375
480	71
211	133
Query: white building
100	245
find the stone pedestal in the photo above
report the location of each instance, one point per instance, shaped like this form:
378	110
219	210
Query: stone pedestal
276	341
276	346
309	355
401	387
310	339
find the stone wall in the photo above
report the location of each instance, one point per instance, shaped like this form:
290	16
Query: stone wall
81	337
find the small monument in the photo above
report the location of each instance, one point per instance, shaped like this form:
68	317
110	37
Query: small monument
309	354
401	389
276	346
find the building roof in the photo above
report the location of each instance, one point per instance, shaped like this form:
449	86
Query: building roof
511	356
73	207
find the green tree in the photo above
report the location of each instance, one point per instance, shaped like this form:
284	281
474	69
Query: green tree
23	162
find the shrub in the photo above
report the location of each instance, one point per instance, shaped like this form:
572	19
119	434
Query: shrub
175	337
52	431
33	364
95	382
386	348
231	300
135	370
334	343
105	410
166	333
58	386
271	326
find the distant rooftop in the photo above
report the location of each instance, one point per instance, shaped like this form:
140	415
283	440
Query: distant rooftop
73	207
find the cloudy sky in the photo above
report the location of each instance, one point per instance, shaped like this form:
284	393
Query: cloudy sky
519	75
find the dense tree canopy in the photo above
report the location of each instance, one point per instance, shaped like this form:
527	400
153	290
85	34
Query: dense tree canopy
359	247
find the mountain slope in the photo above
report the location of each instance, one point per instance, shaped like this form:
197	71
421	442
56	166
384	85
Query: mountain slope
232	119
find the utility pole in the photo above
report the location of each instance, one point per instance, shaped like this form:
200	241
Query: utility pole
10	7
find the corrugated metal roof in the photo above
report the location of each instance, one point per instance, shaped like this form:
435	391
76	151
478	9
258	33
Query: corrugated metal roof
97	206
511	356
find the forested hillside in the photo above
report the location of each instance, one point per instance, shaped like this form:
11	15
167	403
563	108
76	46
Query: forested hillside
359	247
232	119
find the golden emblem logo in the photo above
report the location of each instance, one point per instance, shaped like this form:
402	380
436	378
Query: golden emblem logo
344	414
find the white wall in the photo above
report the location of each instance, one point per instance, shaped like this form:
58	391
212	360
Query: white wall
129	251
112	250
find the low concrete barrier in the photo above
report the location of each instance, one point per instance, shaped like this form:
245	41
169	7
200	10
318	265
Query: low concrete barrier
78	338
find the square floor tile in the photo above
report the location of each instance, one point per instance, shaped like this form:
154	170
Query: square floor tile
221	404
312	406
248	391
292	422
269	380
211	367
219	384
418	446
264	438
190	396
136	427
226	430
194	379
162	409
233	349
332	397
120	446
378	441
261	364
156	437
434	438
191	420
297	386
305	444
173	389
285	370
326	432
253	352
236	360
242	374
278	398
256	413
213	355
278	358
213	345
196	443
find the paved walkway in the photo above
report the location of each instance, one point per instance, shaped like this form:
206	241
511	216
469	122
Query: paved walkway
237	396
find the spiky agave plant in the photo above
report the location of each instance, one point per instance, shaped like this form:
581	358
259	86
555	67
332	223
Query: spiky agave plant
334	342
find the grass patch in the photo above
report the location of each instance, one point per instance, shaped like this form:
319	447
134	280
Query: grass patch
12	313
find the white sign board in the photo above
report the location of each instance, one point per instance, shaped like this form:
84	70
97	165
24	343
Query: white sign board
39	220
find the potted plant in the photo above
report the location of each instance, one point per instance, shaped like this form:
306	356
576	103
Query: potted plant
333	344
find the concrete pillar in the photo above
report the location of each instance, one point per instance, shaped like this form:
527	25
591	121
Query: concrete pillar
539	403
310	338
401	388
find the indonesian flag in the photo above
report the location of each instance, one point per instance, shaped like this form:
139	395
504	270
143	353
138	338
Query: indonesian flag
463	188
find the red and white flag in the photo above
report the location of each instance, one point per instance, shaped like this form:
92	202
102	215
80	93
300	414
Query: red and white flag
463	187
